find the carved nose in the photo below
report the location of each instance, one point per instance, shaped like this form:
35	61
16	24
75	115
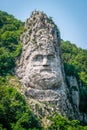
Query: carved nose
45	62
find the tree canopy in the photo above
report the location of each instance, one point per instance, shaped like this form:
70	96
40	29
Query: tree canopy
10	47
15	114
75	64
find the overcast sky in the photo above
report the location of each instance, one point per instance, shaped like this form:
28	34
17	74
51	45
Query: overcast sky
69	15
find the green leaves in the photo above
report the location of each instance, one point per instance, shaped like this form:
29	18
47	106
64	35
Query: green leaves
6	61
75	60
10	48
75	64
14	112
62	123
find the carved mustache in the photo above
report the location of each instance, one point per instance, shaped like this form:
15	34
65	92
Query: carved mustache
45	69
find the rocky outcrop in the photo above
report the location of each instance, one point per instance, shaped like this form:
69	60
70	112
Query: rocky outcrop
40	69
74	90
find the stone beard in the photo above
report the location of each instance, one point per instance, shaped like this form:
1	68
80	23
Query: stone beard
43	67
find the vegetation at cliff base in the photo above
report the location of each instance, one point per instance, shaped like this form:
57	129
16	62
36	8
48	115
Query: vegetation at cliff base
62	123
15	114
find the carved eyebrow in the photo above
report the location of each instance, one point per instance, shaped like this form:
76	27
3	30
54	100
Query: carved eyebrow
37	56
51	54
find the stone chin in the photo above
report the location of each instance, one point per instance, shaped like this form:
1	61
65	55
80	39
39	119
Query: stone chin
43	81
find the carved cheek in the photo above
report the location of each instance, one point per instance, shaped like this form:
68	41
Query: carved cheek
53	63
35	64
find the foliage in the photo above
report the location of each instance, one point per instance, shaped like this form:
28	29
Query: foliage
10	47
75	61
14	112
62	123
75	64
83	99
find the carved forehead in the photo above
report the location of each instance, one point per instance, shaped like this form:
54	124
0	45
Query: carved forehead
42	48
43	52
46	43
42	44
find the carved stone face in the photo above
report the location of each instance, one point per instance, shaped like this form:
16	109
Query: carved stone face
43	70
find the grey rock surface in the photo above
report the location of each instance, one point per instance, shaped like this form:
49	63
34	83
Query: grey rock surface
74	88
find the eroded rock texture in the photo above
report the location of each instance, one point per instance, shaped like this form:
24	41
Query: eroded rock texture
40	68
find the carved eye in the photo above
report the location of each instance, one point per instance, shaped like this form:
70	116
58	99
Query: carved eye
50	57
38	58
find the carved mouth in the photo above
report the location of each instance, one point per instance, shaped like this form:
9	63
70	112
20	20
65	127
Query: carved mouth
45	70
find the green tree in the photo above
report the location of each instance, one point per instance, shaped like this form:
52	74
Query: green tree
14	112
10	47
75	64
62	123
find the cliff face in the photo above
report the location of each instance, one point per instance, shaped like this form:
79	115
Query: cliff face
40	70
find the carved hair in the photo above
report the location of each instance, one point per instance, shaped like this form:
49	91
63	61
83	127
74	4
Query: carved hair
39	22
